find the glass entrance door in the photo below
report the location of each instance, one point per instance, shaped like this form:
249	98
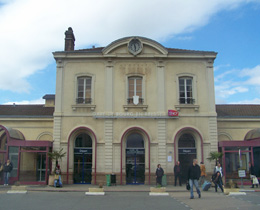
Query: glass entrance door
41	167
135	166
82	166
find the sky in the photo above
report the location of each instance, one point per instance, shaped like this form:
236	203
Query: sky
31	30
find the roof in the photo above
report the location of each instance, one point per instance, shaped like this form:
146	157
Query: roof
170	50
49	96
26	111
238	110
223	111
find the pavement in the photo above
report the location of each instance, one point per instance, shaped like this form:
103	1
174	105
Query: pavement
116	188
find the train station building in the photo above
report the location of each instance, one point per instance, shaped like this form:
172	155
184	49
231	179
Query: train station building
124	108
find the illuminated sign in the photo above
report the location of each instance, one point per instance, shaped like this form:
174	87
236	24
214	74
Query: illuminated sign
173	113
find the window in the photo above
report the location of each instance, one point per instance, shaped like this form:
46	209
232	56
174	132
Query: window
84	90
185	90
135	90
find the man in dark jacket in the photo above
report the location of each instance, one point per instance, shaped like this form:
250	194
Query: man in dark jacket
193	177
8	167
177	173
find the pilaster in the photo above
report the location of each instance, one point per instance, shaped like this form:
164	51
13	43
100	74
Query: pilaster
162	153
108	145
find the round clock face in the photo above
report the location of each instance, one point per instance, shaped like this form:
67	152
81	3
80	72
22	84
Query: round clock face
135	46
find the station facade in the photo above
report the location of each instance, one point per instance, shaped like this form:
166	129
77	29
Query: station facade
124	108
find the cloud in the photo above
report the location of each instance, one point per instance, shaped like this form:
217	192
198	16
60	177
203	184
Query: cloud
253	101
37	101
252	75
238	81
228	89
31	29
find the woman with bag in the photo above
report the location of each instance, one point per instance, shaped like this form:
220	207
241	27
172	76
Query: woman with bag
159	174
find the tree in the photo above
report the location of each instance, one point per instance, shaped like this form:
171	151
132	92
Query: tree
56	155
215	156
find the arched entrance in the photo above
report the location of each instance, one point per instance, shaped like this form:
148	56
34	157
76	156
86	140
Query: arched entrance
82	173
135	159
83	133
135	141
187	152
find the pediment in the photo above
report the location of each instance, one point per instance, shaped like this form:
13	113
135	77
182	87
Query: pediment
135	46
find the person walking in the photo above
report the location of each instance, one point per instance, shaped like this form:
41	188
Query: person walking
159	174
219	168
177	173
193	177
8	167
216	179
202	173
252	175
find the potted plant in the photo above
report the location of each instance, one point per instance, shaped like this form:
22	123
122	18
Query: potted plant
55	155
214	156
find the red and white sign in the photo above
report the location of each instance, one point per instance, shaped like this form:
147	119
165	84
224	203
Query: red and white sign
173	113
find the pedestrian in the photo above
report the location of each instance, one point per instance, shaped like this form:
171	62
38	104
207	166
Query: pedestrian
216	179
202	173
252	175
177	173
193	177
159	174
219	168
8	167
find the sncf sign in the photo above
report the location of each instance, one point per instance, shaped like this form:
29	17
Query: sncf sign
173	113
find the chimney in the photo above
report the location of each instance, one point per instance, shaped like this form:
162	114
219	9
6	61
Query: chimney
69	40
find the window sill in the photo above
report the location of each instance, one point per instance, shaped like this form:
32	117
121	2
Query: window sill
89	106
143	107
187	106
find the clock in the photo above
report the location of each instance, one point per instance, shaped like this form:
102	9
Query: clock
135	46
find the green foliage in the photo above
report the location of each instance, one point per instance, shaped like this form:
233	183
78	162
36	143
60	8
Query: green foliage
56	155
214	156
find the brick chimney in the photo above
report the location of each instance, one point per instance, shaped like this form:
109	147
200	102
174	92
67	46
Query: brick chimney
69	40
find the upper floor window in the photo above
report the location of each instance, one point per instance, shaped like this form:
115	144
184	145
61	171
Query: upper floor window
84	90
135	89
185	90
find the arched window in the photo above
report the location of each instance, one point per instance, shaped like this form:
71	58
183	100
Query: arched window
135	90
186	90
135	140
84	90
83	140
186	141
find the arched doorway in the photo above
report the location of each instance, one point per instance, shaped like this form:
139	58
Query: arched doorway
82	173
135	159
187	152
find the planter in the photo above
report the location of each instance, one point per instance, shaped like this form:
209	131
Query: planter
158	190
51	180
96	189
229	190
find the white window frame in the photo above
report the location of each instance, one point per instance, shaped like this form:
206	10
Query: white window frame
127	87
92	88
194	88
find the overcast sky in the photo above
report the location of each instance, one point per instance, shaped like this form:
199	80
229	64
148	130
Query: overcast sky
32	29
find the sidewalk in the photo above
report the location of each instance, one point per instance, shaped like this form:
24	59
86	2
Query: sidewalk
117	188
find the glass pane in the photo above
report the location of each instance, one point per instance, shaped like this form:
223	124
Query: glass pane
181	82
188	82
13	156
83	140
135	140
28	170
186	141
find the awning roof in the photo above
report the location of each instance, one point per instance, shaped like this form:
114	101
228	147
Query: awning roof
12	133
